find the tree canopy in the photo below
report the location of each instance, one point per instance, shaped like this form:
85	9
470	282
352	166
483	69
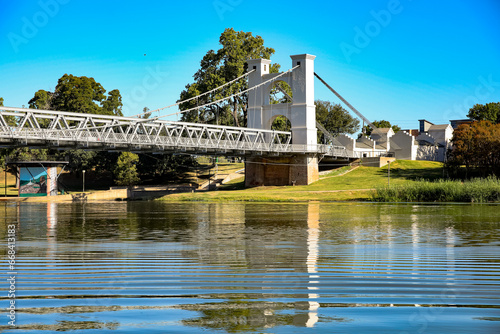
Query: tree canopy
380	124
477	146
79	94
219	67
485	112
126	171
335	118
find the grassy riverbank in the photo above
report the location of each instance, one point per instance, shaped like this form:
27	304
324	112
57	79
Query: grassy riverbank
476	191
356	185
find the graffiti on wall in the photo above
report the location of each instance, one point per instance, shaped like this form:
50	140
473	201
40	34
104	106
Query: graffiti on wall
32	181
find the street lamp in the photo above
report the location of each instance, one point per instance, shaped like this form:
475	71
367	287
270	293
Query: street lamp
83	181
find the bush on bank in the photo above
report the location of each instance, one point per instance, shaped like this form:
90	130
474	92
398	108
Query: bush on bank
475	190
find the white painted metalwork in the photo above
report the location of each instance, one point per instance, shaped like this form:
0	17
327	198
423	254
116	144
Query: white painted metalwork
56	129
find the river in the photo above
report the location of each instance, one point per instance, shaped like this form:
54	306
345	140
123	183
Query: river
137	267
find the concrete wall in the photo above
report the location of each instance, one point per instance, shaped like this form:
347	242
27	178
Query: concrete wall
376	161
426	137
442	136
347	141
281	171
403	146
366	141
382	136
430	153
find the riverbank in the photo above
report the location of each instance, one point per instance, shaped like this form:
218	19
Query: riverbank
361	183
343	184
101	195
473	191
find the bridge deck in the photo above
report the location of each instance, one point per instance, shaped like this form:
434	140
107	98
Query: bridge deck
65	130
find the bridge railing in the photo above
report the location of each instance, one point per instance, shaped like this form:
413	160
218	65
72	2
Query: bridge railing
64	129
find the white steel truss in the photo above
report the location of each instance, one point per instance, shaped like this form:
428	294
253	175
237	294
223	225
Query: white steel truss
66	130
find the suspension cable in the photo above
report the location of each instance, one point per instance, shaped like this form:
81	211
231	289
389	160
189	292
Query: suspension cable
230	96
191	109
197	96
346	103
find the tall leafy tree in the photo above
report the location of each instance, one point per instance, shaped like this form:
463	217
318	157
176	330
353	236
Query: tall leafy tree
81	95
113	103
126	171
380	124
41	100
477	146
485	112
219	67
335	118
155	167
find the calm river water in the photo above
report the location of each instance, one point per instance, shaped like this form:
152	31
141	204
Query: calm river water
149	267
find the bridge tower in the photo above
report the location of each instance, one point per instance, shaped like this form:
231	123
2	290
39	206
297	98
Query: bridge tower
297	168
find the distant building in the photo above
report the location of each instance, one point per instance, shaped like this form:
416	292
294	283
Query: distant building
429	142
456	122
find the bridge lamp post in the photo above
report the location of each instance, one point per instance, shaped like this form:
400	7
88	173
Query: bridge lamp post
83	188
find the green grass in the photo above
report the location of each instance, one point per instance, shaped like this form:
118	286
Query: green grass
476	190
11	184
206	170
356	185
337	172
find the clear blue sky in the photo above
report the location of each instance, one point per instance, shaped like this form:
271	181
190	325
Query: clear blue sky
395	60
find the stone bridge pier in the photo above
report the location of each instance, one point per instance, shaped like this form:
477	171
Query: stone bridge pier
297	168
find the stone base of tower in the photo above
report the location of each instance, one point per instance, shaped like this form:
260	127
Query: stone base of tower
281	171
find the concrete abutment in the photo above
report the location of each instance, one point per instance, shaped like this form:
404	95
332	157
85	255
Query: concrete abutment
281	171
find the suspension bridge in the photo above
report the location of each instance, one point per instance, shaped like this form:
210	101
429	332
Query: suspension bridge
272	157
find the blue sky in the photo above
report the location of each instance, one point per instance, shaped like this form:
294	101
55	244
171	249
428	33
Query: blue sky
395	60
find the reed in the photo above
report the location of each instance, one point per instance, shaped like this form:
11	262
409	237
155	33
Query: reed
476	190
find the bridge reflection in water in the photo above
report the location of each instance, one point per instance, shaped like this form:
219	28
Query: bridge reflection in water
251	267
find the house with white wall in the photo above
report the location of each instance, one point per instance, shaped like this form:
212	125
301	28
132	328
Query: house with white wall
430	142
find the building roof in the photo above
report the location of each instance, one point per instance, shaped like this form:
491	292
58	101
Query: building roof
363	145
439	126
456	122
382	130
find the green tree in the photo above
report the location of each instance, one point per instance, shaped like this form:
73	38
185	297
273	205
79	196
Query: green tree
79	160
126	170
380	124
41	100
81	95
335	119
281	123
156	166
78	94
145	113
219	67
485	112
113	104
477	147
